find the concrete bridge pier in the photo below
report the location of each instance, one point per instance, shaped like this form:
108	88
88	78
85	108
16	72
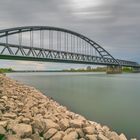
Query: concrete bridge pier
114	69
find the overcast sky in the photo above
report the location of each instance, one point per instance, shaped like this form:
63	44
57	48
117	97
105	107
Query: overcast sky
114	24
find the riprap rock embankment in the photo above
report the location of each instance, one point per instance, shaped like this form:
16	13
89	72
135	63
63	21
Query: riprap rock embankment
27	114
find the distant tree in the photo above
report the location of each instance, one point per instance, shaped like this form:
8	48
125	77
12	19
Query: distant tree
88	68
72	69
3	70
127	69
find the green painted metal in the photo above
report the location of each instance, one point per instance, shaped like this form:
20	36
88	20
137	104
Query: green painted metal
23	58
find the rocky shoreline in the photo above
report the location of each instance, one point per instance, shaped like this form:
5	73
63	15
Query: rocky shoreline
27	114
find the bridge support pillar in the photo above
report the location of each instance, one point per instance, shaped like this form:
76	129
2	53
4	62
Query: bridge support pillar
114	69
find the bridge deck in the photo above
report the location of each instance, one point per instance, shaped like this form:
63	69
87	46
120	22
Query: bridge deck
46	55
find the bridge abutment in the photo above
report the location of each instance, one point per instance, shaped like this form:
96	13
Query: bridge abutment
114	69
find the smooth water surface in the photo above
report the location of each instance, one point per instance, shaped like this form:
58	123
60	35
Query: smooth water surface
113	100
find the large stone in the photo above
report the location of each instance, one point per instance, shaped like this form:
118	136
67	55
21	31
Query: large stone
79	117
2	130
12	137
50	133
80	132
27	139
38	125
10	115
25	120
76	123
102	137
22	130
3	123
35	137
50	124
105	128
2	108
5	98
122	137
112	135
98	127
14	97
91	137
89	130
1	91
34	110
71	136
67	131
57	136
20	104
64	124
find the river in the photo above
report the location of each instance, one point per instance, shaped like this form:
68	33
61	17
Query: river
113	100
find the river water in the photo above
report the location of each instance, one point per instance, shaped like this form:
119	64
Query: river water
113	100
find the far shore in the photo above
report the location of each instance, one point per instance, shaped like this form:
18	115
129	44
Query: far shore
88	69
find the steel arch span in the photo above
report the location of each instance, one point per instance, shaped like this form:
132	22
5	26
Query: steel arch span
46	43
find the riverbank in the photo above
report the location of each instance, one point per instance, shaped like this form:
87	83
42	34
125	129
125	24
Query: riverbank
27	113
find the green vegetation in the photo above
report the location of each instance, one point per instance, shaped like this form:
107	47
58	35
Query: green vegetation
5	70
88	69
127	69
98	69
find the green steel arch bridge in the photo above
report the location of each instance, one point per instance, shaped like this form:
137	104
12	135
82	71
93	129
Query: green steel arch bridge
52	44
